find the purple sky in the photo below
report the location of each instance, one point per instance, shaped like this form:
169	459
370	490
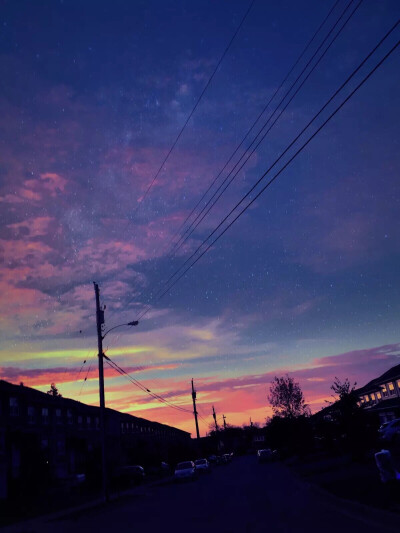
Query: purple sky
92	97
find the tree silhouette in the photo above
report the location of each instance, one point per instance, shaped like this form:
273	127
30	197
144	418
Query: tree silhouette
54	391
286	398
343	389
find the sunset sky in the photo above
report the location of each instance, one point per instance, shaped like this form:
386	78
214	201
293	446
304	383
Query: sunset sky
92	97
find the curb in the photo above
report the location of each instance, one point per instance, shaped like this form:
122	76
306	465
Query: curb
32	525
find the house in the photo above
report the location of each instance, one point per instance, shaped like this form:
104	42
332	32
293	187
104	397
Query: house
52	439
382	395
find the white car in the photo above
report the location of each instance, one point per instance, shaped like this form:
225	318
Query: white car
202	465
185	470
391	432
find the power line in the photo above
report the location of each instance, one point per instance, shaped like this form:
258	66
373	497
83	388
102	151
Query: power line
87	374
198	220
194	108
192	111
180	243
184	238
138	384
262	138
255	122
294	156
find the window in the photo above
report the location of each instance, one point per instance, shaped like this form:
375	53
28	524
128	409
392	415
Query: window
398	383
31	415
69	416
379	395
122	427
80	419
60	447
14	410
97	422
372	396
45	415
58	416
384	391
88	421
391	388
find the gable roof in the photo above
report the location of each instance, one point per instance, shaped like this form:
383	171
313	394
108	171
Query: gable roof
390	375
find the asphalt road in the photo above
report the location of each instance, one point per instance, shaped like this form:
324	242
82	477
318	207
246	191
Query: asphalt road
243	497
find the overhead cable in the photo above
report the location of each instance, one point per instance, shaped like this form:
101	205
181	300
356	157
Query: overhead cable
194	108
185	238
141	386
358	86
254	123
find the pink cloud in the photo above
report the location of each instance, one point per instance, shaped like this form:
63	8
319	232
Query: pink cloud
248	393
38	377
237	397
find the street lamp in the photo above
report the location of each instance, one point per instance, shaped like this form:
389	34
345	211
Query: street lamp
133	323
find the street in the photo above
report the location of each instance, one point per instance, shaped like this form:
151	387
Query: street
243	496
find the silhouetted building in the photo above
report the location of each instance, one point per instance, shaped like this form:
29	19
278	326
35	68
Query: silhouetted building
382	395
46	438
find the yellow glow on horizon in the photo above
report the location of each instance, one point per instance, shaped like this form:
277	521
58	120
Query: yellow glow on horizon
202	334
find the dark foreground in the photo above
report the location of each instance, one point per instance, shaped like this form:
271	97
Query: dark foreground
243	497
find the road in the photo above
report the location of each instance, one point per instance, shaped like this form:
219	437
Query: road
243	497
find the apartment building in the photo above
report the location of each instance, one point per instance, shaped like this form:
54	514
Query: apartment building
53	438
382	395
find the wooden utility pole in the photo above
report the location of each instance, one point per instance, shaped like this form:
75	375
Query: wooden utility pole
224	417
215	419
100	322
195	410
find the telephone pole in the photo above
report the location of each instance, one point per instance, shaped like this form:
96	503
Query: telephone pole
100	322
215	419
195	410
224	417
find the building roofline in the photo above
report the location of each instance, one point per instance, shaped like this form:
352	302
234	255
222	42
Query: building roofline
69	402
390	375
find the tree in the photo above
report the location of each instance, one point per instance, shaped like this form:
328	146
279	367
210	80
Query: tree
346	400
286	398
344	389
354	430
54	391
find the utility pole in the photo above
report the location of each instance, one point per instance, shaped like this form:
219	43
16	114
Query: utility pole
251	423
100	322
224	417
194	410
215	419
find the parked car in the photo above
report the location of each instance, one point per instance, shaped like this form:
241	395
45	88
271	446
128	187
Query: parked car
202	465
125	476
185	470
165	469
382	427
264	456
213	459
391	432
